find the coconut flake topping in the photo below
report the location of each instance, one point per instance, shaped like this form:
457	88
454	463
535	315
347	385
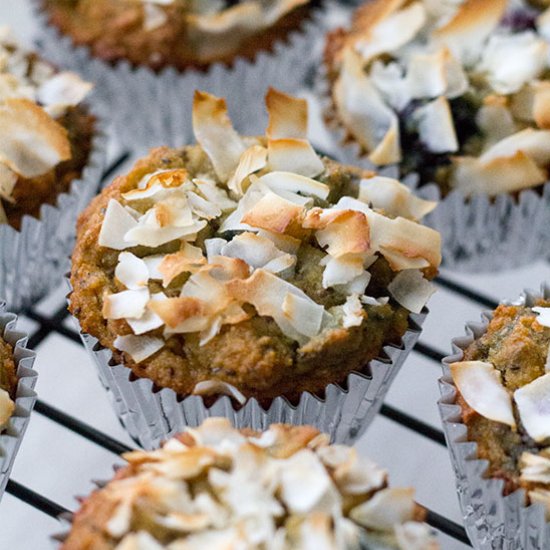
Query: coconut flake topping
285	488
202	251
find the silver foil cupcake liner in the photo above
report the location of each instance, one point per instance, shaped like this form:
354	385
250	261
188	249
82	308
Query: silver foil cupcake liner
151	109
11	437
493	521
34	259
151	415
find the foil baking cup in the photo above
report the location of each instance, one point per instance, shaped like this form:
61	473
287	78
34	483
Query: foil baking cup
493	521
11	437
151	415
154	108
34	259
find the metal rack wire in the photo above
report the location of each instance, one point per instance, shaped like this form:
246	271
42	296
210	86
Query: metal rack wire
55	324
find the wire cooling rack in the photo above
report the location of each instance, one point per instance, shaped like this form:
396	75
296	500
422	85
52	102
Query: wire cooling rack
74	437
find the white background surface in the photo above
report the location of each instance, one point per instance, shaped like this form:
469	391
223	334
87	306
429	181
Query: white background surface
59	464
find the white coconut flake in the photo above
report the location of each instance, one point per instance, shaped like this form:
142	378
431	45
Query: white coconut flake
535	468
480	384
217	387
131	271
116	224
281	182
543	317
354	314
385	509
140	347
436	126
533	403
410	289
64	89
128	304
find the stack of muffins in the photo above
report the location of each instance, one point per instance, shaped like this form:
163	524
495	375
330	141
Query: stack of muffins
249	277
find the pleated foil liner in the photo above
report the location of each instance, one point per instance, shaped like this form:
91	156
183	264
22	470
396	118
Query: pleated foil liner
11	438
493	521
150	109
150	415
34	259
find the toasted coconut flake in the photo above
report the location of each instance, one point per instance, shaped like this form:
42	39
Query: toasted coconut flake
189	259
288	116
391	32
304	482
436	126
116	224
543	317
430	75
8	179
174	311
481	387
301	312
131	271
533	402
287	244
217	387
149	320
500	175
541	104
267	293
364	113
392	197
281	182
534	143
343	269
347	232
273	213
138	348
467	31
251	161
159	184
387	508
64	89
128	304
225	269
7	408
535	468
294	155
411	290
31	142
256	251
510	61
354	315
216	135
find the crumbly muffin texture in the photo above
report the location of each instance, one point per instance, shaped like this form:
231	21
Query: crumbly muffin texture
504	392
177	33
457	92
246	265
45	134
217	488
8	383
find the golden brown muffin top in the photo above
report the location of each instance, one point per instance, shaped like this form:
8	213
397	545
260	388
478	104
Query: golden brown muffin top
221	240
33	97
465	82
218	487
504	385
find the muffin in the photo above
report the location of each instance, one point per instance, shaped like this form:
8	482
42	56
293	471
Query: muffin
48	138
17	380
454	95
218	487
250	267
501	391
154	54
